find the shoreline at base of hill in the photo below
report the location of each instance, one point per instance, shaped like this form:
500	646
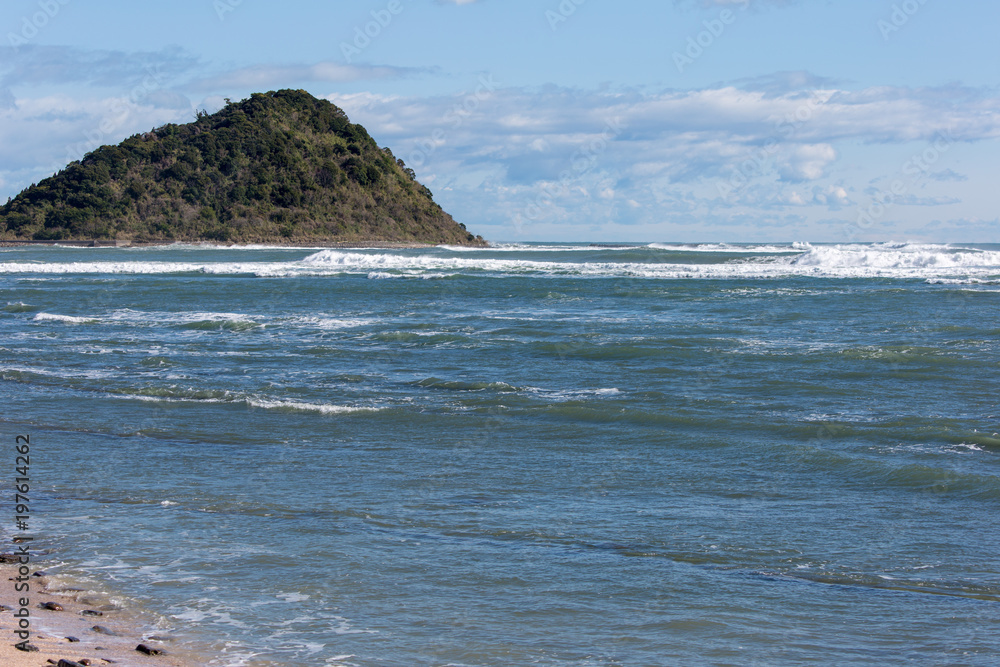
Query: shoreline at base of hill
291	245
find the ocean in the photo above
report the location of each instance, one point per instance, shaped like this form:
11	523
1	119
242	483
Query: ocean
532	454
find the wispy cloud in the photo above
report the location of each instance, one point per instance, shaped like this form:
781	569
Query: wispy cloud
513	145
36	65
674	148
947	175
33	66
683	134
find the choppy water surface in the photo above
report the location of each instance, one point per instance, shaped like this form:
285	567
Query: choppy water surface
552	454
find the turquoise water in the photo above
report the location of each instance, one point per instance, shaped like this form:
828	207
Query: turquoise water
547	454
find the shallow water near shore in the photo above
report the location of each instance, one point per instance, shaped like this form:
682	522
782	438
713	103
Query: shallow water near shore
531	454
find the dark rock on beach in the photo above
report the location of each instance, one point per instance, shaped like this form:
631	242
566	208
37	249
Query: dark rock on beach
142	648
100	629
91	612
27	648
51	606
69	663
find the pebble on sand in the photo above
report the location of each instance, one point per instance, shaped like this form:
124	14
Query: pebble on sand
142	648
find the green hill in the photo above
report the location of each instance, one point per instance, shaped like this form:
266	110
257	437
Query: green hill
279	167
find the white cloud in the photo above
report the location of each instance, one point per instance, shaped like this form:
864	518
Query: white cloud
832	196
35	65
71	126
550	151
947	175
7	99
680	135
807	162
517	147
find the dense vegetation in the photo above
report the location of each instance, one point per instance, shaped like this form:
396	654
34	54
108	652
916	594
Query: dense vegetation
276	167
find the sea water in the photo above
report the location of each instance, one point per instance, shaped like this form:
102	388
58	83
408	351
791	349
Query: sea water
546	454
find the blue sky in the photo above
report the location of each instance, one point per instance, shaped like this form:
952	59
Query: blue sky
691	120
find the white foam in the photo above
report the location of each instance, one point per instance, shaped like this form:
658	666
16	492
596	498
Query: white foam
330	323
969	447
344	628
382	275
557	247
725	248
377	265
838	261
888	260
254	402
69	319
338	660
962	281
459	248
573	394
141	268
129	316
321	408
191	616
898	256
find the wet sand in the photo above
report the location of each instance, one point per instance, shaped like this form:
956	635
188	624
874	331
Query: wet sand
107	633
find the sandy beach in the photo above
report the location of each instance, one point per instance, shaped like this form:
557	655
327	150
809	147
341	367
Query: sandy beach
81	627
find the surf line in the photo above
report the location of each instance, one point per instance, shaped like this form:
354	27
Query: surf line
22	516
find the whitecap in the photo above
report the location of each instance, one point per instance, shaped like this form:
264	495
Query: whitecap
905	256
330	323
338	660
295	406
726	248
766	261
69	319
966	446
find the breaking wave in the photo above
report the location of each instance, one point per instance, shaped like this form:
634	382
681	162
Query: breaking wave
931	262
